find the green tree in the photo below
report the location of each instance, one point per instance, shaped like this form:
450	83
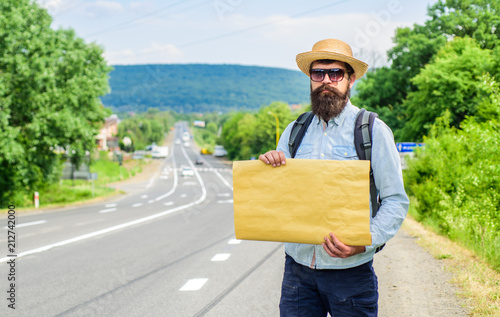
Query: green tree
455	178
246	135
50	86
451	81
385	89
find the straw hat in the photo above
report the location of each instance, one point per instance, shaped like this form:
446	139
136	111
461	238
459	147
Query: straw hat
331	49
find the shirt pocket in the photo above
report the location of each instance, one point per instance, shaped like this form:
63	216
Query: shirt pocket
344	153
304	151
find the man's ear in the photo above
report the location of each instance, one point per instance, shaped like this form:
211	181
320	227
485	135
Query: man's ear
352	78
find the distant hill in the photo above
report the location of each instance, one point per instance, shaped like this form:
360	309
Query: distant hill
202	87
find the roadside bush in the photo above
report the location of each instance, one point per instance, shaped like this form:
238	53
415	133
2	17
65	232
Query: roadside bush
455	179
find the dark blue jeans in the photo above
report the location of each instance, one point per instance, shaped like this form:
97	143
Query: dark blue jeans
309	293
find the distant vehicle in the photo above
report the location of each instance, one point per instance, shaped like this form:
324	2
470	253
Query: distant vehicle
187	144
177	141
205	151
219	151
159	152
198	161
138	155
187	171
185	136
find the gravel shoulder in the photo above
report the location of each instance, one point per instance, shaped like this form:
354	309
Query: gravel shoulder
413	283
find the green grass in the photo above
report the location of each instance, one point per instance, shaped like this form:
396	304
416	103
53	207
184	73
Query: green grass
67	191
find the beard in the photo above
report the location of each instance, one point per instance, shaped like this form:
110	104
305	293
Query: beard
330	104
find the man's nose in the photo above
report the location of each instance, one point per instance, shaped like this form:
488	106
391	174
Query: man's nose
326	79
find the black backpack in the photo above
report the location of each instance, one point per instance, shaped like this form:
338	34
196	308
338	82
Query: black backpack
362	141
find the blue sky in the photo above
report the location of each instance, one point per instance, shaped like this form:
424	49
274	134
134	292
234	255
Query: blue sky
264	33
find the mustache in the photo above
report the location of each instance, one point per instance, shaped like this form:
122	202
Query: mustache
336	92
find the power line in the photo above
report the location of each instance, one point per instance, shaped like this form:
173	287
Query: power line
245	30
136	19
163	15
67	9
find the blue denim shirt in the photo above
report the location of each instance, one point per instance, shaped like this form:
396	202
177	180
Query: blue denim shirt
336	142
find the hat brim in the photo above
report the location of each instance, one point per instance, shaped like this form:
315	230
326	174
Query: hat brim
304	61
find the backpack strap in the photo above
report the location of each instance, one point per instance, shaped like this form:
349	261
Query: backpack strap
363	143
298	131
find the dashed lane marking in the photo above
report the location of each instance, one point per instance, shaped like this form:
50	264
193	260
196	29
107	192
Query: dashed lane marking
234	241
107	210
137	205
193	284
229	201
219	257
34	223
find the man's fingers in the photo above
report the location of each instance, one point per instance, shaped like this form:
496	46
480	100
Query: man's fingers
330	248
264	159
327	249
339	245
275	158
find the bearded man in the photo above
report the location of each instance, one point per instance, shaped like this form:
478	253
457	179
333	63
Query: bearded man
333	277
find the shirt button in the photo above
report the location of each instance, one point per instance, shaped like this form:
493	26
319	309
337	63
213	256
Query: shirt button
345	153
324	134
322	155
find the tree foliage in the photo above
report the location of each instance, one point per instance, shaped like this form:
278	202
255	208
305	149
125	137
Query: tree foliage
456	177
451	81
386	89
246	135
50	83
145	129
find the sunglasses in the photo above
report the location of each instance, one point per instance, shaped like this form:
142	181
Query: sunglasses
335	74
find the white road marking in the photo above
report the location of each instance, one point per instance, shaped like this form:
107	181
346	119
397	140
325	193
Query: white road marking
183	195
110	205
224	194
169	203
229	201
107	210
144	196
120	226
151	181
137	205
34	223
234	241
151	201
193	284
219	257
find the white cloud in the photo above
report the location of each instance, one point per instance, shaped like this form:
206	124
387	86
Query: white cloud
369	34
53	6
100	9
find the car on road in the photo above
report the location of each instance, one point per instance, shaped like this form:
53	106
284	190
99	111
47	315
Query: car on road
198	161
177	141
219	151
187	171
187	144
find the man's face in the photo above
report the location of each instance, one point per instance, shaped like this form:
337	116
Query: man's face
341	86
329	97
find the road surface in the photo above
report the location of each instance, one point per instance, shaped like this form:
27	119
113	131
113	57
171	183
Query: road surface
168	249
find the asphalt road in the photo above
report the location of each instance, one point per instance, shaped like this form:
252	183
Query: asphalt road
168	249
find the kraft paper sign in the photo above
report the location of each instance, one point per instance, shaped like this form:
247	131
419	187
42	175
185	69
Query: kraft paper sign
302	201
